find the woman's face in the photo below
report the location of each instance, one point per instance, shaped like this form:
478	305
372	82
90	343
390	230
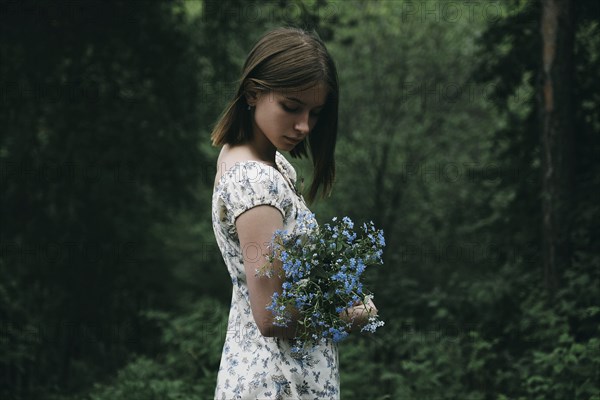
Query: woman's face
286	117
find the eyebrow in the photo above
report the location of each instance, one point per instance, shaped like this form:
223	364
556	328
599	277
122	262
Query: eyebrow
301	102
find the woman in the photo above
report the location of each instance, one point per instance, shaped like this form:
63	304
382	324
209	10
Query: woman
287	99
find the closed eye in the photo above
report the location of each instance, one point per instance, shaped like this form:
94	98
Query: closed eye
295	110
288	109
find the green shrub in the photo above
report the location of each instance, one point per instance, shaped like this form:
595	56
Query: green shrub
185	367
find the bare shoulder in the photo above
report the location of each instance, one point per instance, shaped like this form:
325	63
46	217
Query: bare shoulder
229	156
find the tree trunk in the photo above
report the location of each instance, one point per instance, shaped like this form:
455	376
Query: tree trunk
556	117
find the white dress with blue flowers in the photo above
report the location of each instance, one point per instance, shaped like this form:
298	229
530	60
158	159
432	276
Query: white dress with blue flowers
253	366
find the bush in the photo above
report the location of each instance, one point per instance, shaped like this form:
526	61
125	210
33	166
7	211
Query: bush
185	367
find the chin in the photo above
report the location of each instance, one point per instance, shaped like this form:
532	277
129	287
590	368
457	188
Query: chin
286	146
290	144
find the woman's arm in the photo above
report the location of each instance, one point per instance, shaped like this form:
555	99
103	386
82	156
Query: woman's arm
255	228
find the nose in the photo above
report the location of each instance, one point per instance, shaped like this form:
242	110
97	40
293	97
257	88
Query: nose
301	125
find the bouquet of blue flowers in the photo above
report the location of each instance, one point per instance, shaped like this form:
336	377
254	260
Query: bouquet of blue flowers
323	270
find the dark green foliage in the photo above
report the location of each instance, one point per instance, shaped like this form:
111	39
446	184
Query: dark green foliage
187	365
99	140
183	367
111	284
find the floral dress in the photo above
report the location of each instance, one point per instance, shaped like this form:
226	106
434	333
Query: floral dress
253	366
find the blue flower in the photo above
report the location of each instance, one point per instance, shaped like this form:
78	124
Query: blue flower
322	275
380	238
372	325
348	222
360	267
337	334
350	237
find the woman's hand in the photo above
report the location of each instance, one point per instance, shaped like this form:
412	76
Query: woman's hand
358	315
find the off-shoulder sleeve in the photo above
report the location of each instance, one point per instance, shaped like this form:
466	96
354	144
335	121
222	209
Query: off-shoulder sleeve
250	184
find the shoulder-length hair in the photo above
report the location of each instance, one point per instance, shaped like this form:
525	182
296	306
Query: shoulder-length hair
288	59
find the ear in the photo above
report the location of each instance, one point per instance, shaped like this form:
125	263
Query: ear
251	92
251	97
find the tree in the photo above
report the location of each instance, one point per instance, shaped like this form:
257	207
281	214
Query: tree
99	143
557	125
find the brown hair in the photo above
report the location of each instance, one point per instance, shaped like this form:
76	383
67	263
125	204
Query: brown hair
288	59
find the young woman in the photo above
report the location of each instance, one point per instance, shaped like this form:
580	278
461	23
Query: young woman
287	100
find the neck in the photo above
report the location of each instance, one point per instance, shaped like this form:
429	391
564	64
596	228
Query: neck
262	148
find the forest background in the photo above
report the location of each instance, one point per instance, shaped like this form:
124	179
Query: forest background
469	131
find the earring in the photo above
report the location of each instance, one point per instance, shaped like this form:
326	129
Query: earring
249	107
